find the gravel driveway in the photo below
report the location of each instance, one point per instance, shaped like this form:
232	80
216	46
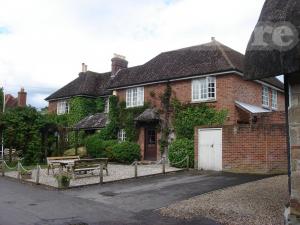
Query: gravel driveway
255	203
116	172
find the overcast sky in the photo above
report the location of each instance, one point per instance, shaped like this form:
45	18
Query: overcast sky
44	42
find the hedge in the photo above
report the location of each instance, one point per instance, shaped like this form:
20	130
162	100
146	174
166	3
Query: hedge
126	152
178	151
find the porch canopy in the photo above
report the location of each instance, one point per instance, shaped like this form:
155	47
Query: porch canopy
253	109
92	122
149	115
274	47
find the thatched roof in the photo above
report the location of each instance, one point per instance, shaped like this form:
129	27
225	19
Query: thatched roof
268	61
149	115
92	122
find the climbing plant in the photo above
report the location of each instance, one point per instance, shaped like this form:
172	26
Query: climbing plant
187	116
165	126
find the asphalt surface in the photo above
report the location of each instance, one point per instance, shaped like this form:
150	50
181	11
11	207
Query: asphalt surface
131	202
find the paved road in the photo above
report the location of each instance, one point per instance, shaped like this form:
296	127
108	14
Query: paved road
131	202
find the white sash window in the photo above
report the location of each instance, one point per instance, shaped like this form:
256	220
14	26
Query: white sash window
274	99
62	107
265	97
135	97
204	89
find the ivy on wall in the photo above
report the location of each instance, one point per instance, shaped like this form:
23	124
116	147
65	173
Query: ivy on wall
80	107
187	116
121	117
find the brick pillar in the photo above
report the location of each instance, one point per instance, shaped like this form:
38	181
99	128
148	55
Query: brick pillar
294	127
22	95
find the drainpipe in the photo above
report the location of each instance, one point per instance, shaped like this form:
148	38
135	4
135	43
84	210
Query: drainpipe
287	104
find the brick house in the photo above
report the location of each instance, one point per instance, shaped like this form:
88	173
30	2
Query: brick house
20	101
211	73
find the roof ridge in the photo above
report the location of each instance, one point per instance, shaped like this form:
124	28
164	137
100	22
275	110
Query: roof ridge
219	46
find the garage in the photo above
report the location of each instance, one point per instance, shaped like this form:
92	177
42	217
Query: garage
210	149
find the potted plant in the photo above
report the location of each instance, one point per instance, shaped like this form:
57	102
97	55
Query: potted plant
63	179
26	175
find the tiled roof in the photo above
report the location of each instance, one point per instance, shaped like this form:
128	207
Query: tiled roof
203	59
10	101
212	57
92	122
86	84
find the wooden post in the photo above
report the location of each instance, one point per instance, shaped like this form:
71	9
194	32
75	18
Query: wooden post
3	168
164	165
19	170
187	162
37	174
76	142
101	173
135	169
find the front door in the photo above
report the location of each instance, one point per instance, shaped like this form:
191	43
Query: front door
150	144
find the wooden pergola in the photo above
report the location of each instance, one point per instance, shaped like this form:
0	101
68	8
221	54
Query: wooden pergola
274	49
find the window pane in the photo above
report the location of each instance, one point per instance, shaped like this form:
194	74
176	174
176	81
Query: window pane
265	96
196	90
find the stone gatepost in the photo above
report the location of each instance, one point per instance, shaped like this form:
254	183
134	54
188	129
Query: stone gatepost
294	127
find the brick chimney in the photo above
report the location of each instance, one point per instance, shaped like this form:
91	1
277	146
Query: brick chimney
22	96
118	62
84	67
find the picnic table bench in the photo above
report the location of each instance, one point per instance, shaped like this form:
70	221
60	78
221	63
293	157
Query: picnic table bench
87	165
57	162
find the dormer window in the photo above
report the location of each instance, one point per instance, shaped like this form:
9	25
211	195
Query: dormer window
265	97
135	97
62	107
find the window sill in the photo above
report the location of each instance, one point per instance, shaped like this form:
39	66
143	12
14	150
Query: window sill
129	107
204	101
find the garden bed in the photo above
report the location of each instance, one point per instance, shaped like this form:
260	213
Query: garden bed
116	172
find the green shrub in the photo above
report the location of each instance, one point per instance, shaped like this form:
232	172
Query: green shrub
95	147
71	152
108	145
126	152
178	151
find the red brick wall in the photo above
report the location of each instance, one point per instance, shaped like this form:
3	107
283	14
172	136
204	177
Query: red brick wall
257	149
229	89
52	107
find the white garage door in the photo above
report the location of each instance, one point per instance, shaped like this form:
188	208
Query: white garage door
210	149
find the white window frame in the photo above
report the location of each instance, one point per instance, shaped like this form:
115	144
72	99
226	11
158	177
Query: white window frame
106	106
134	97
122	135
63	107
203	91
265	96
274	99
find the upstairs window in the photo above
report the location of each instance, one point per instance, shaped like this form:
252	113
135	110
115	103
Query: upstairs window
62	107
204	89
274	99
265	97
122	135
135	97
106	106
